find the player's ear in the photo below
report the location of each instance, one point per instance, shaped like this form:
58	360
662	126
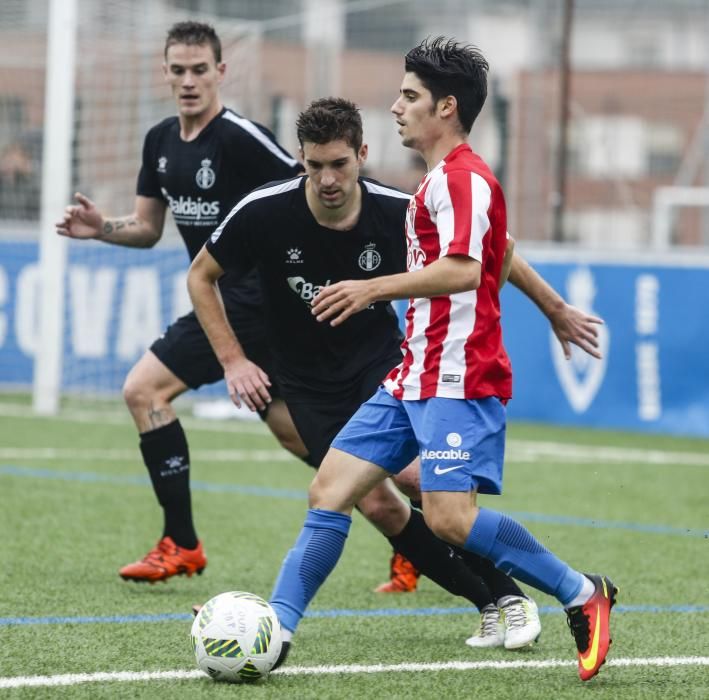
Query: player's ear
362	155
447	106
221	70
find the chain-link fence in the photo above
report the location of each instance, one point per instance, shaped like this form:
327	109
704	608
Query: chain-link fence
638	92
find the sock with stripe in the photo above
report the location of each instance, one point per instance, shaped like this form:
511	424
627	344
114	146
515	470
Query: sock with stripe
514	550
308	564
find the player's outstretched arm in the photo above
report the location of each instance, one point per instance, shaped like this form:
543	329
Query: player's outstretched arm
142	229
245	380
449	275
570	325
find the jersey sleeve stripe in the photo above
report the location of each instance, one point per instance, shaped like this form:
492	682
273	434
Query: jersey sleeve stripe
252	197
250	128
375	188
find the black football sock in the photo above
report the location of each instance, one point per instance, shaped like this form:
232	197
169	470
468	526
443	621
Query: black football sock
436	560
499	583
167	458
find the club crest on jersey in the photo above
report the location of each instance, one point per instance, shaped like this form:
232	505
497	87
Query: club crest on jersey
293	256
205	175
369	259
162	164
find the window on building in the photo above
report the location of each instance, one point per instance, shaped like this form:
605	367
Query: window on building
665	145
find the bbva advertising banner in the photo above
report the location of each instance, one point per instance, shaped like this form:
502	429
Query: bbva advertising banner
654	375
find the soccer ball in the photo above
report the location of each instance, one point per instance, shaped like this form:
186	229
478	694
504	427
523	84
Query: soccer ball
236	637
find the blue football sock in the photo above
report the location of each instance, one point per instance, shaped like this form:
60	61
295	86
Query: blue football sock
515	551
308	564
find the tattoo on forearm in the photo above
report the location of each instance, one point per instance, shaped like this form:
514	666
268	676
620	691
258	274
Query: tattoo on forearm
118	224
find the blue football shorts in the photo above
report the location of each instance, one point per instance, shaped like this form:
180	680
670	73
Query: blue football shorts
461	442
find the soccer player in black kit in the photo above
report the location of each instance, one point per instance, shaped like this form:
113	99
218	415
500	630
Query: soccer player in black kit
303	234
198	164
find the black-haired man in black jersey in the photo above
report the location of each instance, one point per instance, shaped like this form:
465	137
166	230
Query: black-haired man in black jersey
198	164
301	235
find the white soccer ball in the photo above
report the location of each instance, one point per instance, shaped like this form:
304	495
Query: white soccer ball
236	637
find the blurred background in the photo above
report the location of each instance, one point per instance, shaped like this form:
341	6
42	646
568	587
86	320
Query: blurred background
622	85
597	124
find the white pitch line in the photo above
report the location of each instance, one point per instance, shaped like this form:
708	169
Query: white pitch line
517	451
91	455
131	676
531	450
111	417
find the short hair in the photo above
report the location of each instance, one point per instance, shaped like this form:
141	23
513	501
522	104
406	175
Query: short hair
330	119
194	34
446	67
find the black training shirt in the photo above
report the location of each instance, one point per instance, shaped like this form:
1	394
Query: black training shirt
201	180
274	230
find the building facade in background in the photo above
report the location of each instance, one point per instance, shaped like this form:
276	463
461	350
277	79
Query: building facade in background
639	95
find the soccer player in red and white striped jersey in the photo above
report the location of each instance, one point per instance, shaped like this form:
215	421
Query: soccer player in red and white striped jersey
446	401
453	346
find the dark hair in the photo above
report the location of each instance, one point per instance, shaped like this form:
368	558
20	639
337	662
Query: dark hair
330	119
446	67
194	34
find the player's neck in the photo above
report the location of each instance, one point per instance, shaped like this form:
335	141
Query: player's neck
341	219
192	126
438	150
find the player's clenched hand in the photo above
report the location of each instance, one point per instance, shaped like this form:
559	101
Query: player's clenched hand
339	301
571	325
247	382
81	220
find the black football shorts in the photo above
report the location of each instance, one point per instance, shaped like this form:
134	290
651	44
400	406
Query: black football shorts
318	419
185	350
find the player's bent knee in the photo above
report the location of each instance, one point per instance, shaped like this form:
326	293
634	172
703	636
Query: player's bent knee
327	494
385	511
447	527
291	441
136	393
380	513
408	482
321	495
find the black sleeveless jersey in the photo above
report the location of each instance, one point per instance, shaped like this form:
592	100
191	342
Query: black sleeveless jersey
274	230
202	180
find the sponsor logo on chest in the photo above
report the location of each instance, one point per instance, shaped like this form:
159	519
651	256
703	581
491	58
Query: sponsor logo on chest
195	212
307	291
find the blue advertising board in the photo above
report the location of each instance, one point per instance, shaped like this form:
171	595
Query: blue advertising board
654	375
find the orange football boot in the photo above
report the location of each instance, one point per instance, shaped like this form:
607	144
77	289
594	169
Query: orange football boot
166	559
404	576
590	626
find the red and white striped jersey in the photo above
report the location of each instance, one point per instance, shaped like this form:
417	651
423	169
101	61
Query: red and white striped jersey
453	345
